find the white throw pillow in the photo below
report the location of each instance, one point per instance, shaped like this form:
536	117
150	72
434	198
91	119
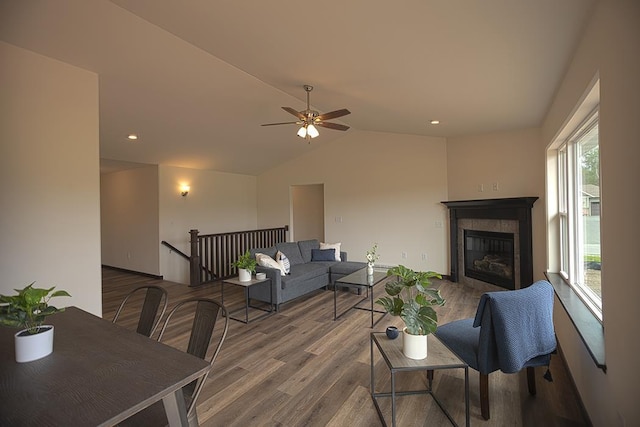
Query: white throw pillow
266	261
335	246
282	259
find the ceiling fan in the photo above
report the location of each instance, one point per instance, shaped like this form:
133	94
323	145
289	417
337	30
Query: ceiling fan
308	119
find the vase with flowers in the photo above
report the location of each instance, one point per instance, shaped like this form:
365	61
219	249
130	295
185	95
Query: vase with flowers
372	257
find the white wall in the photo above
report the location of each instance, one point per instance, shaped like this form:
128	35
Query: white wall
130	220
217	202
50	220
386	188
514	161
610	48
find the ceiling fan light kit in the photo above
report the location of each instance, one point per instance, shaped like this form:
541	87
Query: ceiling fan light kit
308	131
308	119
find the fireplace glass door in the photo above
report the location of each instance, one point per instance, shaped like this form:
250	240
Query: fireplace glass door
488	256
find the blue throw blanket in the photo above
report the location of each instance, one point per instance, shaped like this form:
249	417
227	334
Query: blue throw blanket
521	322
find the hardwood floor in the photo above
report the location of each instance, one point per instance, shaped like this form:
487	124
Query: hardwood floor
299	367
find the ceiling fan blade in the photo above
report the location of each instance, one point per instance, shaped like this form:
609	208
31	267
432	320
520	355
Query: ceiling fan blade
333	114
334	126
282	123
294	112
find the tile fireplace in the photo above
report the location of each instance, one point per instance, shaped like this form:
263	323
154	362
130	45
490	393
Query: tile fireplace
491	241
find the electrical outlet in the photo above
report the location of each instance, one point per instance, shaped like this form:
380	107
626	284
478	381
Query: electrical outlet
424	257
495	186
438	224
480	188
338	219
404	255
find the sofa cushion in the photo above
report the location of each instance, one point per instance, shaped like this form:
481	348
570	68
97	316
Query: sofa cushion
266	261
303	272
347	267
306	246
271	251
282	259
335	246
291	250
323	255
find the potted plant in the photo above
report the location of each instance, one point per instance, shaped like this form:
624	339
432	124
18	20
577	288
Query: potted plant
246	265
412	300
27	310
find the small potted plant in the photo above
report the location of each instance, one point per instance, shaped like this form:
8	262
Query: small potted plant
246	266
27	310
410	298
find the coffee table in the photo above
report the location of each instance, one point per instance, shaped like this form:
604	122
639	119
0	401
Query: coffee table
439	357
359	280
246	285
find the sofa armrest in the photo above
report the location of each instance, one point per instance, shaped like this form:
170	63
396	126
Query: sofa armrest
343	256
275	275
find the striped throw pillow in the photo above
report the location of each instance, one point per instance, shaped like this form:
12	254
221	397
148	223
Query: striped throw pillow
282	259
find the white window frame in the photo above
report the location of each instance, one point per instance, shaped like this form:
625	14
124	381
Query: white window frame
570	216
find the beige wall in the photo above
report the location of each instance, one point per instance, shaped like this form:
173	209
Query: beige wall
610	48
129	210
386	188
50	220
514	161
307	212
217	202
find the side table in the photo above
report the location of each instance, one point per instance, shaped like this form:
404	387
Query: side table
246	285
439	357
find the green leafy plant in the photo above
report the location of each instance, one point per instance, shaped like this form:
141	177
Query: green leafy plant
412	300
28	309
246	261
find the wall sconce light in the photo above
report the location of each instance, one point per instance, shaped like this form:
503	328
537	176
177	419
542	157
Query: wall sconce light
184	190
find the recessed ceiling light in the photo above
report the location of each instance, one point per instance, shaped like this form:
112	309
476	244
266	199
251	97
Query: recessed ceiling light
132	136
435	122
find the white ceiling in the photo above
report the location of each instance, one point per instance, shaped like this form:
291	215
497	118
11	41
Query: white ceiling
195	79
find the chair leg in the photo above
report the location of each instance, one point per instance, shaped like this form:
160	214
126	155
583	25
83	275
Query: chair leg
193	419
484	396
531	380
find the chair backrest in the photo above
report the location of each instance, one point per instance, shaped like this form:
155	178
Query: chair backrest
516	327
155	301
205	318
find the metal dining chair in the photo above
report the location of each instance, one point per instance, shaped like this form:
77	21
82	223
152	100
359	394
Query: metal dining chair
155	300
205	313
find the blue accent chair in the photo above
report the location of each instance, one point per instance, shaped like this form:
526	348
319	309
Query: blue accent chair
512	330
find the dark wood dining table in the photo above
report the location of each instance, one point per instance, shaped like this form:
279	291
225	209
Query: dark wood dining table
98	375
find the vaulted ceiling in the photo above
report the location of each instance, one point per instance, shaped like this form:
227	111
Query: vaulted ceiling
195	79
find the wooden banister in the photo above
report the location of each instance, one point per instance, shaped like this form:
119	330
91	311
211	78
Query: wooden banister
212	254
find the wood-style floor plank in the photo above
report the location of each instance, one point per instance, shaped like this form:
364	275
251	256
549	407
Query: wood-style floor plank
299	367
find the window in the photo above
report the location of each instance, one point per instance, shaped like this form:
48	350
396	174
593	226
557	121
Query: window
578	179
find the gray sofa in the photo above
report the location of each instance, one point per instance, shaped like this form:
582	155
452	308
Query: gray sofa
305	275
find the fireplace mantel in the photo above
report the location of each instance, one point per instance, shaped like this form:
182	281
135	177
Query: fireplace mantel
515	208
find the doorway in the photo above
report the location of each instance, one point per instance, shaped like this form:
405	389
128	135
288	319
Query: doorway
307	212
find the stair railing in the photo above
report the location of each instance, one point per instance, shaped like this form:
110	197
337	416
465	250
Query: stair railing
212	254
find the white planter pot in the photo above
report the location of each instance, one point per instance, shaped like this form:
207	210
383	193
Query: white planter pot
244	275
414	346
34	346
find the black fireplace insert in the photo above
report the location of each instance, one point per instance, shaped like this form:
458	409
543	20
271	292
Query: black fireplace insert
489	256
